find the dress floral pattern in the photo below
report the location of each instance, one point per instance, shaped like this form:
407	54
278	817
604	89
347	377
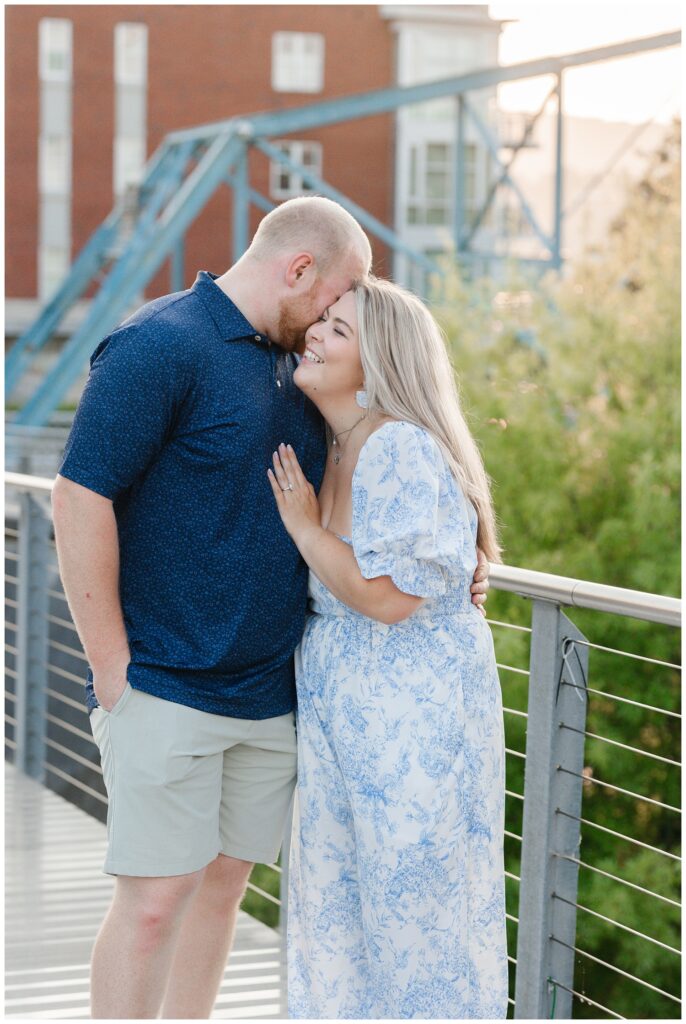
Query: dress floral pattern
396	901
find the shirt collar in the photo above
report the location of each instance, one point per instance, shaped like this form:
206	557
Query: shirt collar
230	322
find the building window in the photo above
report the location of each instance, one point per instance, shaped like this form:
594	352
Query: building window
285	184
130	53
297	62
129	161
54	171
130	115
431	182
55	47
430	198
54	153
53	266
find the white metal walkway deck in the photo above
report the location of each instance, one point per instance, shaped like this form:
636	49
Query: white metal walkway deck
56	897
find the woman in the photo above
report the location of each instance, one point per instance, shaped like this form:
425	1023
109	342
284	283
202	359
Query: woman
396	905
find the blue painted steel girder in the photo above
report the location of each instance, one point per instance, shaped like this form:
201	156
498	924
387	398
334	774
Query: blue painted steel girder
365	218
148	247
86	265
152	240
383	101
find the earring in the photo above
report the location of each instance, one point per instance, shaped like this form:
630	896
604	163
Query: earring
361	399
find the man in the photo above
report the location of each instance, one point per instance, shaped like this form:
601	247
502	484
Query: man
189	597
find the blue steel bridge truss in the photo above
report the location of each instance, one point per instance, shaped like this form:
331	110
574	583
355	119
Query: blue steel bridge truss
190	165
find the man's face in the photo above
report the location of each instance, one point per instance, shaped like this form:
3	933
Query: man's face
297	313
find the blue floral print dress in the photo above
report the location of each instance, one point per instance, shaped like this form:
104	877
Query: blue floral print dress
396	899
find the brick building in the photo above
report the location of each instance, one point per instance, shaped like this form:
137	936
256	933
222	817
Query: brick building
92	90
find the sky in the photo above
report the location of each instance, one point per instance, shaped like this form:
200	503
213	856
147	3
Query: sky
632	89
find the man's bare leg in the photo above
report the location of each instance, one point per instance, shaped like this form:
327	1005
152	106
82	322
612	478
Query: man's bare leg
134	948
205	940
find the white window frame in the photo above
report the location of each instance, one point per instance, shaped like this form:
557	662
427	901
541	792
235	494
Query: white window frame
54	36
55	39
129	162
296	150
54	165
130	53
53	265
418	198
131	86
298	62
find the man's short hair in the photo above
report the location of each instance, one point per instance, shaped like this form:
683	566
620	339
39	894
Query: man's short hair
313	224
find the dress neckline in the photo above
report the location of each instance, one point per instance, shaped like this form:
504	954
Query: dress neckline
388	423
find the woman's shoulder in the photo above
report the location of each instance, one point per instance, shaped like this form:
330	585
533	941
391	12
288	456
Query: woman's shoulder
399	438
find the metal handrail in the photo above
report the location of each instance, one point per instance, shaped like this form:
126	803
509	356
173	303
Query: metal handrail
635	604
563	590
24	482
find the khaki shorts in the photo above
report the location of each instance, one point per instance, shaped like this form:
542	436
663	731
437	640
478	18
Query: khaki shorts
185	785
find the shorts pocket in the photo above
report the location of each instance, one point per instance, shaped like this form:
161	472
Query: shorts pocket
120	701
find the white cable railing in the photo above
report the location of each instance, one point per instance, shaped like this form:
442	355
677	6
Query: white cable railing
561	757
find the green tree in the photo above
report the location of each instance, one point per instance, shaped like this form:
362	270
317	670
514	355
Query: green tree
572	388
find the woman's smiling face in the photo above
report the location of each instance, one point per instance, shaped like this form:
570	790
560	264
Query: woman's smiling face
331	364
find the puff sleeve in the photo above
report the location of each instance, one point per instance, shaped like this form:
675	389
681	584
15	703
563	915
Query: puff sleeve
396	502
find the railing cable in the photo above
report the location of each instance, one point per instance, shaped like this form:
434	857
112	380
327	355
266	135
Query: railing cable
67	650
619	835
512	668
74	782
77	705
513	711
623	700
68	727
509	625
627	654
592	781
618	970
618	924
616	878
585	999
624	746
71	676
72	755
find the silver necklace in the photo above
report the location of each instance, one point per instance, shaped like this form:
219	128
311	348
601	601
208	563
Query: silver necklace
335	444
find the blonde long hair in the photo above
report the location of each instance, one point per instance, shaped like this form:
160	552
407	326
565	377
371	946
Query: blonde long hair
408	376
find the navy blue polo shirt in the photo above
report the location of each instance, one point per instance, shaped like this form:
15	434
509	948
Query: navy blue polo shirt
184	404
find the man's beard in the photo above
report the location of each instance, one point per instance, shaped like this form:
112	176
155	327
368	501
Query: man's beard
295	316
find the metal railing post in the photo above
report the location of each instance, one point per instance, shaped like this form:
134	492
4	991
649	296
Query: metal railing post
545	831
32	636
